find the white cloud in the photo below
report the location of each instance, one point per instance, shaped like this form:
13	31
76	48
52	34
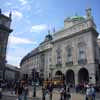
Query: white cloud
18	53
13	59
99	37
38	28
18	40
17	14
23	2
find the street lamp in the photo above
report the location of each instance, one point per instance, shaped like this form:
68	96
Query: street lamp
34	82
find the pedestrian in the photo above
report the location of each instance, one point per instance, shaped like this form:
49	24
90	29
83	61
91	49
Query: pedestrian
62	94
43	92
67	94
19	91
50	88
93	93
0	91
25	91
88	93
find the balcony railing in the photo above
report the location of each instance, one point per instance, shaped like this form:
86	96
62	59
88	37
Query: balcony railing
69	63
82	61
58	65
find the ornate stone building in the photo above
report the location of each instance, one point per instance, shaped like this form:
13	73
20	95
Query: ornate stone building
5	23
73	52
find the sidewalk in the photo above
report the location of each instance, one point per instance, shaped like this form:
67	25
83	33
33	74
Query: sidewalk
8	93
56	95
76	96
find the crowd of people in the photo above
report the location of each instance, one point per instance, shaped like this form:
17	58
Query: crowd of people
21	90
48	90
90	93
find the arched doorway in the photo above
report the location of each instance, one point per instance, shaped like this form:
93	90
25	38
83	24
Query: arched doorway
83	75
58	73
70	77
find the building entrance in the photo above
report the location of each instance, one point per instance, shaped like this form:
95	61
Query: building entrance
70	77
83	76
58	73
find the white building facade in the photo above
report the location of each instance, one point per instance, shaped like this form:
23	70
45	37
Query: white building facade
72	52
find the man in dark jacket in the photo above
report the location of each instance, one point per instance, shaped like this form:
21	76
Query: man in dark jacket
19	91
50	88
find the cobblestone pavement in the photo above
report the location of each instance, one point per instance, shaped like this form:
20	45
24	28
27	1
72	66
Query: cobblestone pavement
56	95
6	97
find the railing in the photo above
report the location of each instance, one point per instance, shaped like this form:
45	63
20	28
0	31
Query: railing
58	65
69	63
82	61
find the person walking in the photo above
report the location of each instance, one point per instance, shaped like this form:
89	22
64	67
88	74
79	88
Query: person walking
50	88
19	91
93	93
0	91
43	92
68	95
62	94
25	91
88	93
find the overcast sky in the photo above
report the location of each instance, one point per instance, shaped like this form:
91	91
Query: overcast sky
31	20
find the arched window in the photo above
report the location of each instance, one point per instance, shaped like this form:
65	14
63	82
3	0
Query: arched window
59	58
82	54
69	59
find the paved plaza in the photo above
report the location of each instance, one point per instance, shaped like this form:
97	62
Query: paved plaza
56	95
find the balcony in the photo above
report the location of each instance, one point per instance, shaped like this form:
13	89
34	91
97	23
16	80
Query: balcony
70	63
59	65
82	61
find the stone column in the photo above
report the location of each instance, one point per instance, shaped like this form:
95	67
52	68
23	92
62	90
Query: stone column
75	52
76	77
92	73
92	79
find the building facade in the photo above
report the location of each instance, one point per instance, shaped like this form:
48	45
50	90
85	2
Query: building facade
5	23
12	72
73	52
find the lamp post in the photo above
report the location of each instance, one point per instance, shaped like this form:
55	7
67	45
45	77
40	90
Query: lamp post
34	82
2	68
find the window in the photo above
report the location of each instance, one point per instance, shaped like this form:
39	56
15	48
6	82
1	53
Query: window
69	56
82	54
59	59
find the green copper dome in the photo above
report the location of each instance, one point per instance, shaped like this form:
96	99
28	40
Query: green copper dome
77	18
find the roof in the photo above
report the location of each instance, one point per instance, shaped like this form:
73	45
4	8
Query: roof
12	67
75	18
30	54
